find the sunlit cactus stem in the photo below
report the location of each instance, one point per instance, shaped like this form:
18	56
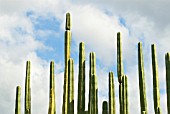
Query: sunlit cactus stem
142	88
112	101
18	100
71	86
27	90
125	94
81	80
167	62
52	103
104	108
156	92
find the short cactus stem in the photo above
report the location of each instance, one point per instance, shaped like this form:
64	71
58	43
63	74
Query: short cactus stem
105	107
167	64
18	100
125	94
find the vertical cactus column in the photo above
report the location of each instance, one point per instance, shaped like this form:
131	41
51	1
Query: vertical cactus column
27	90
71	86
67	56
125	94
112	102
156	93
105	108
167	62
52	104
81	80
142	88
120	69
93	89
18	100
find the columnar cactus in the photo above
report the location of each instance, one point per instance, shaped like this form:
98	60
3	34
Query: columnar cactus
125	94
93	89
67	56
156	93
112	102
52	104
27	90
81	80
18	100
71	86
104	108
142	88
167	62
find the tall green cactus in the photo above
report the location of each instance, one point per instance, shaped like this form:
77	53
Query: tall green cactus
93	89
104	108
27	90
71	86
125	94
156	93
52	103
81	80
112	101
18	100
142	88
67	56
167	62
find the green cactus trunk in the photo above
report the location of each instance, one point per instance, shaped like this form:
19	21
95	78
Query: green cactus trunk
27	90
18	100
52	103
104	108
67	56
81	80
112	101
125	94
71	86
156	92
167	62
142	88
93	89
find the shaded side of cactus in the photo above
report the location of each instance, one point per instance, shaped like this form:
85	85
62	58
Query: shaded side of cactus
18	100
71	86
52	103
27	90
112	102
156	92
81	80
142	88
167	62
105	107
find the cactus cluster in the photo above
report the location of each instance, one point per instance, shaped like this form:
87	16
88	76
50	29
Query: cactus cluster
108	107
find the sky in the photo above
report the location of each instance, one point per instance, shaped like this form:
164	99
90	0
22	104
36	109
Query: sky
34	30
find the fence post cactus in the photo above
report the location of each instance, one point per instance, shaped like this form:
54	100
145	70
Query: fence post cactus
67	56
18	100
142	88
167	62
81	80
104	108
125	94
27	90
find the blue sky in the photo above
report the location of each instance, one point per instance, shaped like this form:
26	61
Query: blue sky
35	31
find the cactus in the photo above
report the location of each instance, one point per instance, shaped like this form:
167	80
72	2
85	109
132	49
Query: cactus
52	103
167	62
67	56
112	102
104	108
93	90
142	88
27	90
71	86
156	93
125	94
81	79
18	100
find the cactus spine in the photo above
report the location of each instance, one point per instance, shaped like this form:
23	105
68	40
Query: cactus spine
156	93
67	56
93	89
18	100
71	86
52	104
27	90
142	88
104	108
81	79
112	102
167	62
125	94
